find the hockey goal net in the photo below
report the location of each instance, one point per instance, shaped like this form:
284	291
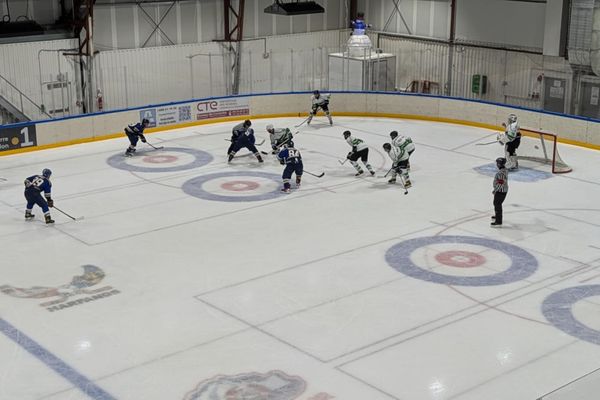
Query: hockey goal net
542	147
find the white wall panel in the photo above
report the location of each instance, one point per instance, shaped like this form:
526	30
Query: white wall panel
202	20
26	65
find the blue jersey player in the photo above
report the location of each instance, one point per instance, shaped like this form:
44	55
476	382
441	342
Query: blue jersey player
34	186
134	133
236	132
292	159
243	137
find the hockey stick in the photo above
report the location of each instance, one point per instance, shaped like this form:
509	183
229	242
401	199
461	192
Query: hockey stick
403	184
73	218
486	143
256	144
315	175
154	147
387	173
3	179
302	123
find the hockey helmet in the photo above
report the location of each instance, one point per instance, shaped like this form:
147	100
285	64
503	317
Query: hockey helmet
270	128
145	121
316	93
346	134
387	147
500	162
512	118
289	143
247	123
46	173
394	134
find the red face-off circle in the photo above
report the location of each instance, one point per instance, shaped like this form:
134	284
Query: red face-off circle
160	159
239	186
460	259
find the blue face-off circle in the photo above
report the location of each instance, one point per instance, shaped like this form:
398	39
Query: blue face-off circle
558	310
194	186
523	264
201	158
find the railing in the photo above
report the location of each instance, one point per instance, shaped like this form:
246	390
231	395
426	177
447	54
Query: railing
22	104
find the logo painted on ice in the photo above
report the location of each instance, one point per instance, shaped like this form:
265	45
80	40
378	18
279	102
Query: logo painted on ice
274	385
79	285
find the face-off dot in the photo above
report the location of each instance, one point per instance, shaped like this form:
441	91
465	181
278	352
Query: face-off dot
240	186
460	259
160	159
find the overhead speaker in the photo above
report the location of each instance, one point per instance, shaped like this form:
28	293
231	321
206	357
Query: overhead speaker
295	8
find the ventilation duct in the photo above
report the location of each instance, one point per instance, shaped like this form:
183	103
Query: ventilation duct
295	8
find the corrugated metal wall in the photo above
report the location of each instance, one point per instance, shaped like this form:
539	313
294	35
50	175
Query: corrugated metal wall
31	66
124	24
41	11
512	77
138	77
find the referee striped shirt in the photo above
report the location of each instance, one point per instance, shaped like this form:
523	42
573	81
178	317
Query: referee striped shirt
501	181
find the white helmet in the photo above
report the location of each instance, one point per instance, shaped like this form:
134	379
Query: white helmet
270	127
512	118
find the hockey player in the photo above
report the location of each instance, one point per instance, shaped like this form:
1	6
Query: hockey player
500	189
245	139
237	131
292	159
322	102
34	186
399	157
278	137
359	150
135	133
403	142
511	139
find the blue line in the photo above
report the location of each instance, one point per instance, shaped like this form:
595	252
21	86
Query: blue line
69	373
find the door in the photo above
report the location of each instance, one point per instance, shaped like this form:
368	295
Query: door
555	91
379	76
590	97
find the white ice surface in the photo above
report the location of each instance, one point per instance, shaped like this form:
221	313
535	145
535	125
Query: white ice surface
298	283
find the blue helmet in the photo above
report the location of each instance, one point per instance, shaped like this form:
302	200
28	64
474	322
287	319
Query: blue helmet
46	173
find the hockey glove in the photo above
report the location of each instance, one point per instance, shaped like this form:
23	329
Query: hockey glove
50	203
349	155
143	139
281	162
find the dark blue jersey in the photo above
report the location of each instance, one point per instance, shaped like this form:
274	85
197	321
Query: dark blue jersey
240	129
246	137
290	155
39	184
137	129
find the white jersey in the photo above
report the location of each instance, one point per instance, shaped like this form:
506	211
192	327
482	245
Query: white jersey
356	142
404	142
324	98
398	154
511	132
280	135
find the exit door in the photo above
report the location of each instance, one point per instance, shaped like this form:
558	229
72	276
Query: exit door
555	91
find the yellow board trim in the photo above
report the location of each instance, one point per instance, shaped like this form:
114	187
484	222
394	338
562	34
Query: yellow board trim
281	115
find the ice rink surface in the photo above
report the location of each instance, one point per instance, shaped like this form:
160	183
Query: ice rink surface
192	279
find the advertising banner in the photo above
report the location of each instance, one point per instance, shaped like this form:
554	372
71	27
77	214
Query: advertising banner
17	138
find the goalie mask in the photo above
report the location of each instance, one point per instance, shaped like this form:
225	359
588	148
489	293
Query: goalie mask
512	118
347	134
